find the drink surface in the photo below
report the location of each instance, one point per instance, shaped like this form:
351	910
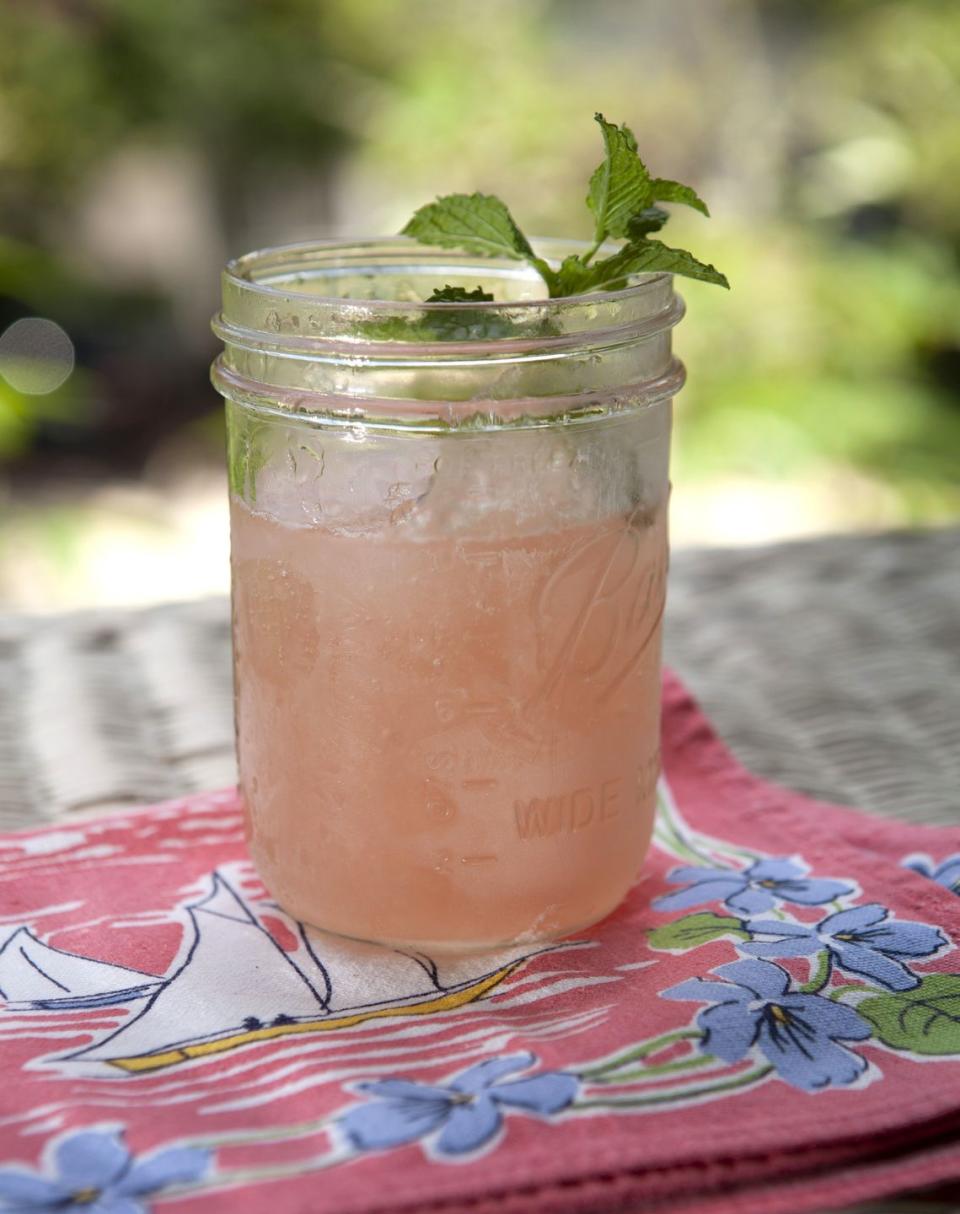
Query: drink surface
448	741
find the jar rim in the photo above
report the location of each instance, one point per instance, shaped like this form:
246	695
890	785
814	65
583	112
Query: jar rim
241	274
399	355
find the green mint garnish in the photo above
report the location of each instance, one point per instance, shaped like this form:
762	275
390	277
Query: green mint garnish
622	196
246	453
448	294
620	187
650	219
455	324
477	223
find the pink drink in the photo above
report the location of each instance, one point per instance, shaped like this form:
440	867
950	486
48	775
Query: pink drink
448	741
449	549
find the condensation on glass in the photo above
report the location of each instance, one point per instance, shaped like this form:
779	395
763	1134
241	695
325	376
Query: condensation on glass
449	554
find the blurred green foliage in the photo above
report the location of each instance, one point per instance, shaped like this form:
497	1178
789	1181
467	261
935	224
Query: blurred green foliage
824	133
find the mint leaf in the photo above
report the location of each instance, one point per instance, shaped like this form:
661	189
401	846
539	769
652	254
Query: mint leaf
448	294
462	323
650	219
246	453
641	256
573	277
478	223
647	256
621	186
672	191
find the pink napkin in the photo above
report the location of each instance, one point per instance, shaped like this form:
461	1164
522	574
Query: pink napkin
770	1022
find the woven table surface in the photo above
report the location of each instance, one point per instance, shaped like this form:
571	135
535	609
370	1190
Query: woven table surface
831	666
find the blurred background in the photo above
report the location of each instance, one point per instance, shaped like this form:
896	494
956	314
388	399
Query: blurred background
142	143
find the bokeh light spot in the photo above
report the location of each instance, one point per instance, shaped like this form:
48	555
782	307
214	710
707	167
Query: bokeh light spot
36	355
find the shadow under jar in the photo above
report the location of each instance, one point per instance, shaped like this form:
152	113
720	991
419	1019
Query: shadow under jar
449	549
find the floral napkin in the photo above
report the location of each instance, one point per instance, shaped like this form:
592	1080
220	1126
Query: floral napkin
770	1022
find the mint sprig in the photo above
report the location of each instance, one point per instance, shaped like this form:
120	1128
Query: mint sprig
620	186
478	223
621	195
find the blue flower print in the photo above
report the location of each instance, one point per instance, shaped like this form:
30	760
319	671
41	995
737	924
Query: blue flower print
799	1034
460	1116
94	1173
863	940
752	890
946	873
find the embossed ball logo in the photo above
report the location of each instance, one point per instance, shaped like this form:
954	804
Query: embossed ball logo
598	612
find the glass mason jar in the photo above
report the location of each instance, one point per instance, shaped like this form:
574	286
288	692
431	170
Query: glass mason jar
449	549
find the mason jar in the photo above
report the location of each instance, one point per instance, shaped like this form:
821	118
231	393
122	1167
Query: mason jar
449	549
